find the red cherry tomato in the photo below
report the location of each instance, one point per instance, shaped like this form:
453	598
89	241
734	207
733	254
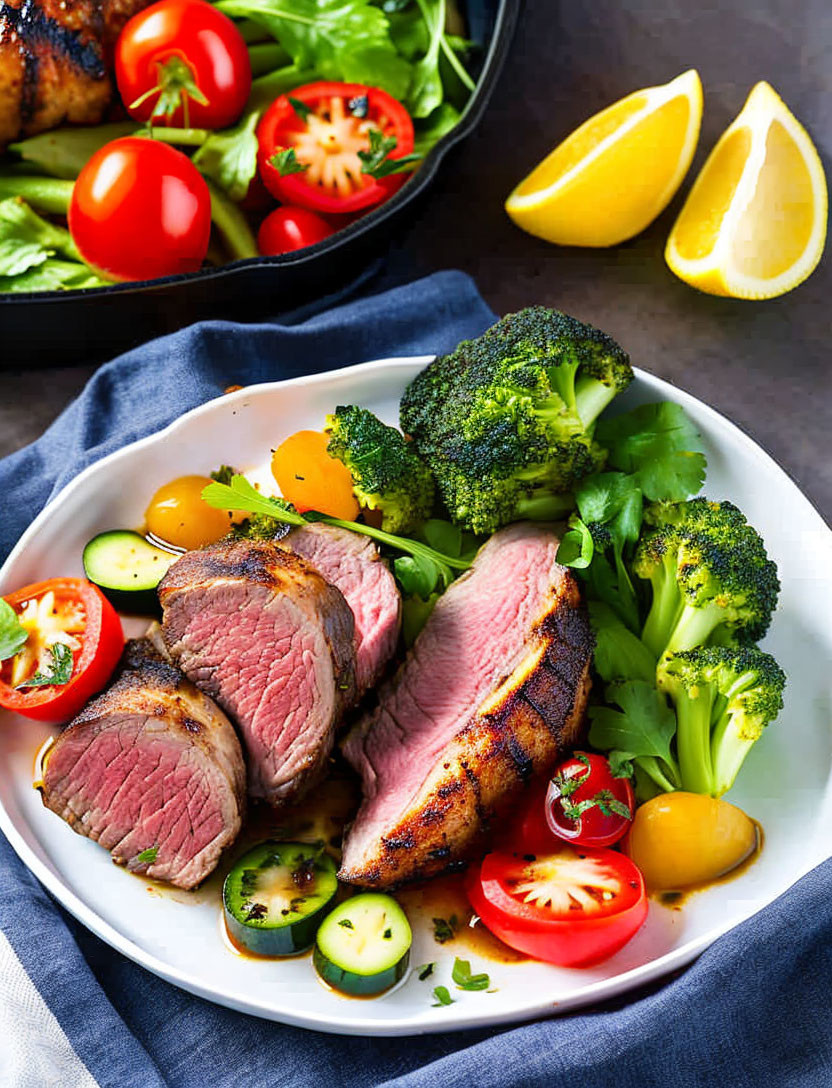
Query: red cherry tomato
85	622
287	228
185	64
140	209
586	804
325	134
572	906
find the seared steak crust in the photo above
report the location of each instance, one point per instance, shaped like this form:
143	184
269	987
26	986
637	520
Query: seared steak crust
150	768
262	632
485	756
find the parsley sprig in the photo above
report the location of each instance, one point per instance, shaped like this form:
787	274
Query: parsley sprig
59	671
377	162
286	162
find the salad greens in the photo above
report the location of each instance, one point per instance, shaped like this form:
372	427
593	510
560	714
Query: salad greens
406	47
13	635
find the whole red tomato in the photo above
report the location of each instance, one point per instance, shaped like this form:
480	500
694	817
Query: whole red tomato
572	906
140	209
287	229
586	803
310	141
87	620
183	63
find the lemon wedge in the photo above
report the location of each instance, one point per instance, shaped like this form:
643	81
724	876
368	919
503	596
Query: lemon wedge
754	223
612	177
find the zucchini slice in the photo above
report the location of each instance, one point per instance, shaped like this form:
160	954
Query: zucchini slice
363	945
127	568
276	896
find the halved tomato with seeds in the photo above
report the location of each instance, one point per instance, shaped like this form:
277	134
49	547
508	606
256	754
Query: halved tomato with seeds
570	906
310	140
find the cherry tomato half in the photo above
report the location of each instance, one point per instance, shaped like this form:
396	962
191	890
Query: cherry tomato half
573	906
178	515
183	63
325	129
586	804
140	209
286	229
76	613
312	480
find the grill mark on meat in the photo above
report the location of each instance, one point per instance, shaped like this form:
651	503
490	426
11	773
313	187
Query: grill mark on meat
464	758
33	28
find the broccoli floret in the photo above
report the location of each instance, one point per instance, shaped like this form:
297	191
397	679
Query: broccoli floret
712	580
724	698
386	474
505	421
260	527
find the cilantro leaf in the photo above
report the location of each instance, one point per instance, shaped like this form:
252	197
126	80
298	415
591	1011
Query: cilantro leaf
644	726
147	857
230	156
463	978
286	162
619	653
60	670
377	161
442	996
345	40
658	444
13	635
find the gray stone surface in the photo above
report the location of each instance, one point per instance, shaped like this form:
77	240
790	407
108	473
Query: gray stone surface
766	366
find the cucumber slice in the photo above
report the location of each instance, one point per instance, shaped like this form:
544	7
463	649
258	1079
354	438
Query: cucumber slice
363	945
127	569
276	896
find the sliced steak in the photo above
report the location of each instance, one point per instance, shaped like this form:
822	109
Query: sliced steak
263	633
152	770
493	689
351	563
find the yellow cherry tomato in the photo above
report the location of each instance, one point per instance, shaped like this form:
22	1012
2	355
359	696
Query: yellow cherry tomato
683	839
312	480
178	515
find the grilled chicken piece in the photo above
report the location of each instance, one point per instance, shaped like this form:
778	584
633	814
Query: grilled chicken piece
151	770
492	692
262	632
55	61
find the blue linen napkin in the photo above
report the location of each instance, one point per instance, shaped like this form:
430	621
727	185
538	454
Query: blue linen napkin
752	1012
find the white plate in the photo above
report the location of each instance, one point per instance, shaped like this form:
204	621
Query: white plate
785	783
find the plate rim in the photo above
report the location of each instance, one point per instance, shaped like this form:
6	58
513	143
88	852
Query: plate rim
352	1024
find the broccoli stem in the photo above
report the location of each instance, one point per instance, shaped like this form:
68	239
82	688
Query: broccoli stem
545	506
664	609
728	752
693	738
694	627
591	398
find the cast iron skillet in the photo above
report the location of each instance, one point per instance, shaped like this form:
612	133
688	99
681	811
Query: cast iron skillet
48	328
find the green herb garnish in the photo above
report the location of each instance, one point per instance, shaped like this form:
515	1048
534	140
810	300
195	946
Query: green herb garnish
346	923
442	996
286	162
148	856
463	978
426	971
377	162
59	672
444	930
300	108
13	634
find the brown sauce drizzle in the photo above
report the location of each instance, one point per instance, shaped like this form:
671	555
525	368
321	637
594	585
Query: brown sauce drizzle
675	899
